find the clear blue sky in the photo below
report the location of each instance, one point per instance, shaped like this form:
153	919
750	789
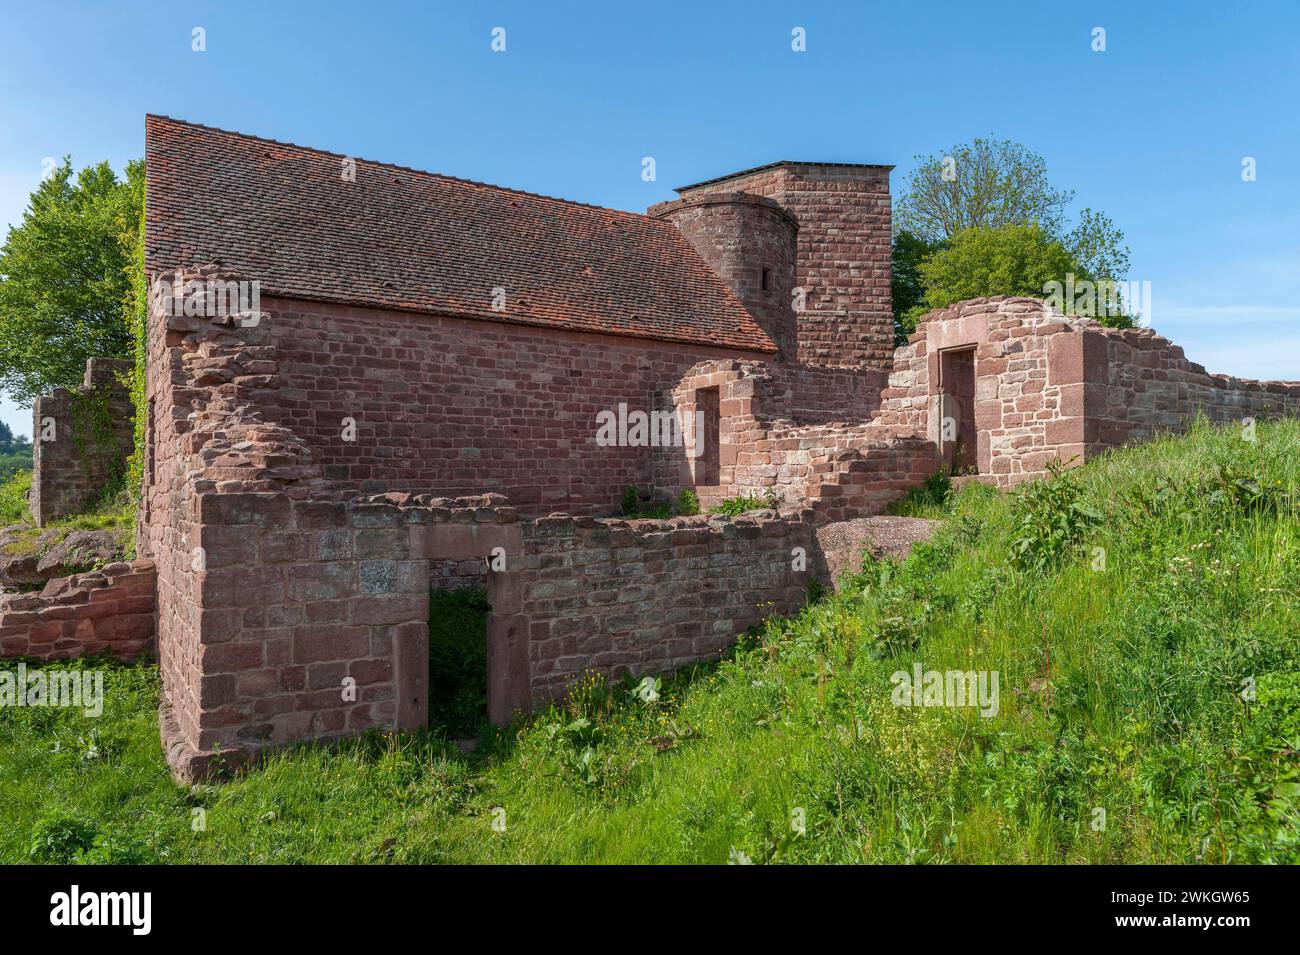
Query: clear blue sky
1153	131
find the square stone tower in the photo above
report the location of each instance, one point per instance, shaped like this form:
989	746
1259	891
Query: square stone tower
843	254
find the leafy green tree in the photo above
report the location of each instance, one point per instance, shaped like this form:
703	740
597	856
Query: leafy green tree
15	452
1011	260
7	439
908	285
1098	246
985	184
63	278
988	222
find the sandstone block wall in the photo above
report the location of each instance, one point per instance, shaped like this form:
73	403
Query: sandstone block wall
81	440
292	607
1053	387
204	436
310	617
781	424
1028	383
1138	384
455	407
105	611
647	597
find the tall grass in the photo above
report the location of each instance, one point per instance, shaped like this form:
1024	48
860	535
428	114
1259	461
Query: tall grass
1148	665
13	498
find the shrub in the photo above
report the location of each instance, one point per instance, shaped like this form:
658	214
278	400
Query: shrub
688	503
933	495
60	837
13	498
740	504
1053	519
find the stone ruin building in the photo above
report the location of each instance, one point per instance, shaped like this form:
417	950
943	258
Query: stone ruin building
411	401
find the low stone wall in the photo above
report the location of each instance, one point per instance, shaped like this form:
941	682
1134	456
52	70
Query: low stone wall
778	421
105	611
1053	387
312	615
1138	384
81	439
310	620
646	597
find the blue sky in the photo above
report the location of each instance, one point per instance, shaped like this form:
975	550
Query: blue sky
1153	131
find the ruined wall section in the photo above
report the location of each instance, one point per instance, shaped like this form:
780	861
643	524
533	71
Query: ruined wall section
110	610
1053	387
1028	366
782	427
1139	384
648	597
81	440
211	462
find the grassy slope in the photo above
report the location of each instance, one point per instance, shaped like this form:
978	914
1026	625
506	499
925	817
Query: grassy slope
1120	689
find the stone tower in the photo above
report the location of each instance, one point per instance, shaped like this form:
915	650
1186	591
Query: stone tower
842	263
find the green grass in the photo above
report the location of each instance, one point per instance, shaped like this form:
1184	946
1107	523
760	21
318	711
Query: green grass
1122	672
742	503
113	512
13	498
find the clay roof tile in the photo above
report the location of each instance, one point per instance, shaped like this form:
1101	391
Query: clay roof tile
403	239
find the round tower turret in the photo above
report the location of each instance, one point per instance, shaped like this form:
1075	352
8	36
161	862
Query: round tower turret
750	242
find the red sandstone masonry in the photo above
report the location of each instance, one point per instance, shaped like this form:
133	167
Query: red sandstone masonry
454	407
1138	384
292	601
638	597
295	610
801	431
205	437
1053	387
843	260
745	238
105	611
81	437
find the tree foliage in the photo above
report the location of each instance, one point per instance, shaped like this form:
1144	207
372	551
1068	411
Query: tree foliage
986	184
908	284
15	452
63	277
1011	260
982	219
1098	246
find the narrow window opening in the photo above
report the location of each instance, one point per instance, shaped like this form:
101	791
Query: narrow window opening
765	279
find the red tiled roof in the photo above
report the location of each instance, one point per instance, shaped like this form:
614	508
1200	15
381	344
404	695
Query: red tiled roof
403	239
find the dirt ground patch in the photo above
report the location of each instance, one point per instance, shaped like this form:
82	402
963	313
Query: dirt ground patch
844	542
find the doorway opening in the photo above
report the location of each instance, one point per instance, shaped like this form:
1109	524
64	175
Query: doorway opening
959	439
458	663
708	408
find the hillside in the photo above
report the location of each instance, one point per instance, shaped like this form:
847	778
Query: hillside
1141	613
